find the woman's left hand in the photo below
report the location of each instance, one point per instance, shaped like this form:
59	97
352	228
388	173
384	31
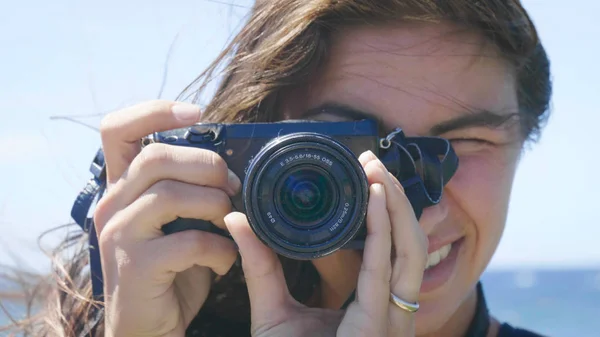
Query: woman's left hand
390	221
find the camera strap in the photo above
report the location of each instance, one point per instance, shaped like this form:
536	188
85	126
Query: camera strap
91	193
423	165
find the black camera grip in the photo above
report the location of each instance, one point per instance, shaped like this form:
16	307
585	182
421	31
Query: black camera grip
184	224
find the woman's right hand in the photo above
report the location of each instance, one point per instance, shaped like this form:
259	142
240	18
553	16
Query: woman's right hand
154	285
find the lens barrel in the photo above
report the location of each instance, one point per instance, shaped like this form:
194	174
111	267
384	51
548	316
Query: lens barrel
305	195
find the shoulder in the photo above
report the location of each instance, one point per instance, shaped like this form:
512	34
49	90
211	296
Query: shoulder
506	330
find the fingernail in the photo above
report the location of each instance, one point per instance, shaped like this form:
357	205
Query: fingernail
378	188
186	112
365	156
370	155
234	182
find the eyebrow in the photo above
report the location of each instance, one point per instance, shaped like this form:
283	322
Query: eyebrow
474	118
343	111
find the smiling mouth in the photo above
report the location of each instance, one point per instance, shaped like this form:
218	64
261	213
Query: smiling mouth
441	265
434	258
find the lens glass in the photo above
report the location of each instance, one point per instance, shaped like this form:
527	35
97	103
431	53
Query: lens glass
307	196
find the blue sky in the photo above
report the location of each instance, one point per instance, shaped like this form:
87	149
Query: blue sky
70	57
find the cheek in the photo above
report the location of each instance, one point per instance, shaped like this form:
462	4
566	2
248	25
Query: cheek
481	188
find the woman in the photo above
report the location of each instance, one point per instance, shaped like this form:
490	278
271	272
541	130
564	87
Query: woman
473	72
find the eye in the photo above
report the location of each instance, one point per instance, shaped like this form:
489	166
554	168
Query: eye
471	145
471	140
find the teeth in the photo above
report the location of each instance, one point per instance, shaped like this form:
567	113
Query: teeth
434	258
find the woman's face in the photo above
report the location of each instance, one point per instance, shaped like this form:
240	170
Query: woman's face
428	80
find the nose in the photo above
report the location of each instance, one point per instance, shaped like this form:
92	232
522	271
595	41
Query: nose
434	215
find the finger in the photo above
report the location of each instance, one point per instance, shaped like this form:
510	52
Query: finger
121	131
374	277
409	240
164	202
369	156
158	162
157	261
177	252
269	295
409	245
368	314
366	157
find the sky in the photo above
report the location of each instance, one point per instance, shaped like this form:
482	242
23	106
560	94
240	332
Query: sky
79	58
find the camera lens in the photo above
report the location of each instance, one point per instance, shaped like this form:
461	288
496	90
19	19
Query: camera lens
306	196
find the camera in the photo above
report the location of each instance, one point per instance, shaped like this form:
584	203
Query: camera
304	191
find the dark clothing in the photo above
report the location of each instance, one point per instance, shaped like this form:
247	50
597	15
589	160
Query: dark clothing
508	331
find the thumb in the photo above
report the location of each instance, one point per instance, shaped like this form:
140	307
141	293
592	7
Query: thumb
267	289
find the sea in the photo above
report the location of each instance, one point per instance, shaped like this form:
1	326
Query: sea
553	303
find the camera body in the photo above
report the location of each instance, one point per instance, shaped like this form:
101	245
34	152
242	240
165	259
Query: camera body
304	192
303	189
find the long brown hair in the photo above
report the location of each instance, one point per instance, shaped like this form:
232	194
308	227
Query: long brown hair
281	46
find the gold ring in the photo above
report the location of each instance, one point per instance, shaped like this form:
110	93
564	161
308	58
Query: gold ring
402	304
